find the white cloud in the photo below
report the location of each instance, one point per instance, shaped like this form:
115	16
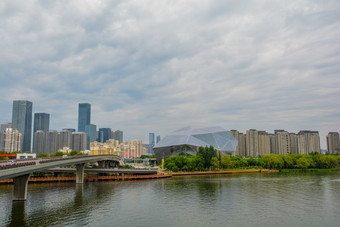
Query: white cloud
161	65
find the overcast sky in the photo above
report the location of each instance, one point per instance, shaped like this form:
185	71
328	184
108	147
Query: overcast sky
157	66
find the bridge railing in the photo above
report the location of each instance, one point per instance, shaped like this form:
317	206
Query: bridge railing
16	165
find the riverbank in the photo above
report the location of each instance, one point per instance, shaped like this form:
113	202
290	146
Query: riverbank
91	178
224	172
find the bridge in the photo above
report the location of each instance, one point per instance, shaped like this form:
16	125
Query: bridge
21	174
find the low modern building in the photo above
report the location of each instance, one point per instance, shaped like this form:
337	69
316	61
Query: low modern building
188	140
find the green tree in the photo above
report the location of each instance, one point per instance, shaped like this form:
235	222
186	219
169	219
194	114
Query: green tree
207	153
303	163
42	155
273	161
288	161
226	162
74	152
215	163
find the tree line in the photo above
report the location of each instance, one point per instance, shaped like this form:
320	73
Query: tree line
209	158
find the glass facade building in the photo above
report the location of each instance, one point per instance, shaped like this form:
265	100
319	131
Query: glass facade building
104	134
84	116
22	120
41	122
188	140
91	133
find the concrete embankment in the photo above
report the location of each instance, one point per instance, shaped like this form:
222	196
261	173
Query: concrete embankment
223	172
93	178
138	177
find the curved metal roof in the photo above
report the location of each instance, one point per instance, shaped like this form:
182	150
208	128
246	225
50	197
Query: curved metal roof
217	137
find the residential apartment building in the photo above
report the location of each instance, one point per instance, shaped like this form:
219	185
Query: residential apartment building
333	143
10	140
252	142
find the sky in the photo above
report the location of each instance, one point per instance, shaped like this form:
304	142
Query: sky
158	66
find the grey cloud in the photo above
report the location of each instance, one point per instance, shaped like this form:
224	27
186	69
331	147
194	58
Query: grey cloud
162	65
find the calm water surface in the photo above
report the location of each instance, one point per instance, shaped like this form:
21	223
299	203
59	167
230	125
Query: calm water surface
223	200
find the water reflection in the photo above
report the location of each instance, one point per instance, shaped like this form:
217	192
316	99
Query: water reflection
225	200
18	215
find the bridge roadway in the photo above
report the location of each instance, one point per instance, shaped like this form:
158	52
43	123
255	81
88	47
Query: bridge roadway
108	170
21	175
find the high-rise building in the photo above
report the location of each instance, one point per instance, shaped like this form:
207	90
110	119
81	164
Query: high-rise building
84	116
22	120
90	130
5	125
264	143
39	142
10	140
151	142
117	135
78	141
158	139
41	122
242	144
293	143
138	143
236	135
308	142
104	134
69	129
152	138
333	142
282	142
252	142
64	139
52	141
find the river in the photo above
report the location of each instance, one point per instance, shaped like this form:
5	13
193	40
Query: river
267	199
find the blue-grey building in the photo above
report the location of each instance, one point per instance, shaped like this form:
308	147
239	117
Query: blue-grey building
91	133
104	134
41	122
152	138
22	120
84	116
117	135
158	138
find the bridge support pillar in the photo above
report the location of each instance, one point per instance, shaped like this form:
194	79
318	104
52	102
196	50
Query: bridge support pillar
101	164
20	187
80	173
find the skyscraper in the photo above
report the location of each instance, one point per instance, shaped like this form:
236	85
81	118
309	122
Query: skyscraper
52	141
78	141
158	138
64	139
39	142
104	134
117	135
22	120
90	130
152	138
84	116
41	122
151	142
